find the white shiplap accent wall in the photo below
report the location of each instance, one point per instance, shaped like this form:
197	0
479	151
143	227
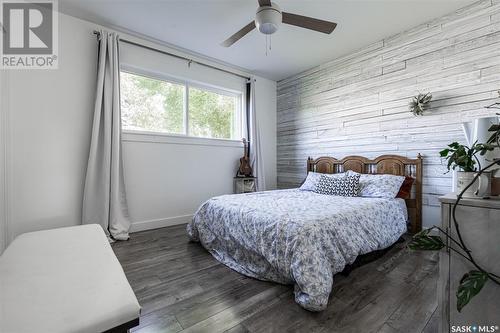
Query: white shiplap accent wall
358	104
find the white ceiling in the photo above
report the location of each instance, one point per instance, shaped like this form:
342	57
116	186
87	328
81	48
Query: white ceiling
200	26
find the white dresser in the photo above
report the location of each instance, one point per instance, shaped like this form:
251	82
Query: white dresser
479	222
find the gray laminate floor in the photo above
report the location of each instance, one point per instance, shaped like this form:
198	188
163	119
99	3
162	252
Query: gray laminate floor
181	288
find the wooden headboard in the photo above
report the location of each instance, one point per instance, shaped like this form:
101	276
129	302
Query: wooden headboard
385	164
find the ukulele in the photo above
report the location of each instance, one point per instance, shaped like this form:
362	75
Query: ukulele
245	169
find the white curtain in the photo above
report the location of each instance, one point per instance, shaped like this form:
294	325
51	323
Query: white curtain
104	200
256	158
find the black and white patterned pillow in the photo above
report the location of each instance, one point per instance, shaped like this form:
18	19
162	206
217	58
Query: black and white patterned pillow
347	186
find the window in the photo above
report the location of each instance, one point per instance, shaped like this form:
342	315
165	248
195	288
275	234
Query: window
151	105
211	114
157	105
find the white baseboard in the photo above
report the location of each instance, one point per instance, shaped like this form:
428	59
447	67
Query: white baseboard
159	223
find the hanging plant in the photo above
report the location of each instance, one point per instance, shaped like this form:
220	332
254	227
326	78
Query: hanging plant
420	103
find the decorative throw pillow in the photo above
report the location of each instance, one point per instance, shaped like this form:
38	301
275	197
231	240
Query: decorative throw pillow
405	190
346	186
312	180
379	185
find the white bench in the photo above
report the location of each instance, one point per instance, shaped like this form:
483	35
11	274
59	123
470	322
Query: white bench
64	280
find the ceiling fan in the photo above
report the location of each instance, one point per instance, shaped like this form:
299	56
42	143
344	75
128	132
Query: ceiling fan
269	17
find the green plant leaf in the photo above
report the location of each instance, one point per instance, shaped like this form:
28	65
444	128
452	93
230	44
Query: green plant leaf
493	138
444	152
424	242
423	232
494	128
470	285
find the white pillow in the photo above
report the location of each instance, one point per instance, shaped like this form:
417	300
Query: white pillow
379	186
312	180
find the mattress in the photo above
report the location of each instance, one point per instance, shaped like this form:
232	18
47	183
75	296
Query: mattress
63	280
296	237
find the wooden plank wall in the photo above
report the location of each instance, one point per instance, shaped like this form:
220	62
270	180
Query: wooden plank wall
358	104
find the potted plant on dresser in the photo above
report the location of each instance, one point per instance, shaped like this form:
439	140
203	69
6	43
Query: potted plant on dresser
468	241
465	159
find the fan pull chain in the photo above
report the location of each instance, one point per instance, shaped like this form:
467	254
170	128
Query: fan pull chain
268	43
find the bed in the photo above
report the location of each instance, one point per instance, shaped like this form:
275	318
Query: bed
304	238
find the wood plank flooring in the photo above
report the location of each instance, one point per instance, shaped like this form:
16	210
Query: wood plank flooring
181	288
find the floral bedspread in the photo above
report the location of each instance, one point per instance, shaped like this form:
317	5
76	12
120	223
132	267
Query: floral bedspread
296	237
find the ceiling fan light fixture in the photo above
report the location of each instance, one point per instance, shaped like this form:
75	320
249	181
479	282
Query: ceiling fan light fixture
268	19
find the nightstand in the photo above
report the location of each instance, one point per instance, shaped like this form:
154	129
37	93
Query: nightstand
245	184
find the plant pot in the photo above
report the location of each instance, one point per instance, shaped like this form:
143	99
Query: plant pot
481	187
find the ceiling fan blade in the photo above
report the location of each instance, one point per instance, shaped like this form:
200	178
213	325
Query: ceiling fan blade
265	3
309	23
240	34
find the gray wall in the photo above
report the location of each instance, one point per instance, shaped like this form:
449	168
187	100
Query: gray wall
358	104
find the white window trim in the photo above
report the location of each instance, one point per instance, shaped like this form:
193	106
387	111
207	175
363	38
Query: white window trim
173	138
180	139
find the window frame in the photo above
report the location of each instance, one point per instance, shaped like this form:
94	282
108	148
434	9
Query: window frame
163	137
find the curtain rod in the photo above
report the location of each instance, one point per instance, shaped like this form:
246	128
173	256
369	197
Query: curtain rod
190	61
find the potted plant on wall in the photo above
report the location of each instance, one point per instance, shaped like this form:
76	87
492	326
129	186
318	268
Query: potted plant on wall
464	158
